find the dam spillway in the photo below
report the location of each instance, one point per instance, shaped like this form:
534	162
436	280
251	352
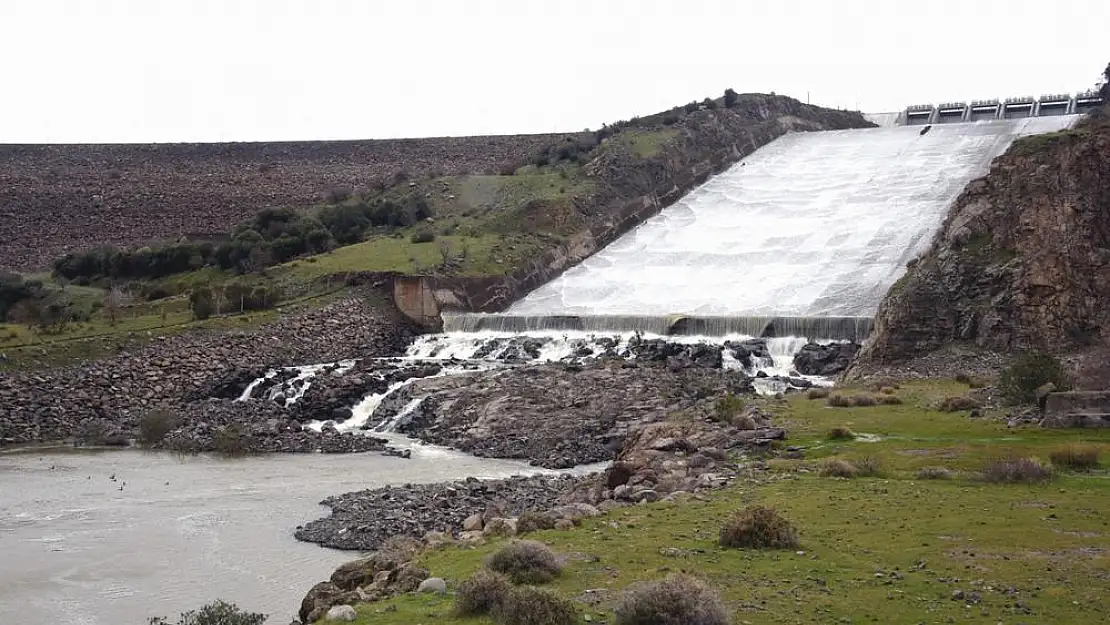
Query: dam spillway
812	225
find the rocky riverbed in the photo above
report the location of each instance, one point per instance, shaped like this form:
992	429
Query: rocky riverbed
110	396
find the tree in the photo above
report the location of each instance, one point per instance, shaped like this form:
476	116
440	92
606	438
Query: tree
730	98
1104	91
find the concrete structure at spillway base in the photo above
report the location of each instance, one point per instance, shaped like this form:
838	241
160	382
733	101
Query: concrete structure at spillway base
811	230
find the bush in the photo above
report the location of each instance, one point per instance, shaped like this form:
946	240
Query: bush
481	593
863	400
869	466
531	521
1019	382
728	408
1076	456
216	613
526	562
758	527
890	400
423	235
841	434
835	467
730	98
933	473
231	441
957	403
836	400
202	303
533	606
1017	471
817	393
677	600
154	425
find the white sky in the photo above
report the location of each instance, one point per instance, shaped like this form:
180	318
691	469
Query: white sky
224	70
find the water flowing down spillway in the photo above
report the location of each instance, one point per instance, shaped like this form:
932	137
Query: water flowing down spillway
812	225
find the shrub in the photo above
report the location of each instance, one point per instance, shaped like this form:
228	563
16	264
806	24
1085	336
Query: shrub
836	400
677	600
216	613
758	527
863	400
423	235
834	467
1076	456
933	473
481	593
869	466
1019	382
1017	470
533	606
728	408
526	562
531	521
154	425
230	440
890	400
817	393
730	98
841	433
956	403
202	303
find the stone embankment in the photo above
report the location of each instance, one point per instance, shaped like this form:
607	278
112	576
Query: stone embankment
56	199
107	398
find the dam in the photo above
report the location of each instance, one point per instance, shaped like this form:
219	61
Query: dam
804	237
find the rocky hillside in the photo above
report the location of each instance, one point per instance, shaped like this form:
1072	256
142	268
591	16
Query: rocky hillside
61	198
1021	261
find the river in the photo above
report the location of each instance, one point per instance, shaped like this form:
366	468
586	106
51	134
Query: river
170	533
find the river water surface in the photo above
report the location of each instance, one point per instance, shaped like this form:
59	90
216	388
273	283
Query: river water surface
75	549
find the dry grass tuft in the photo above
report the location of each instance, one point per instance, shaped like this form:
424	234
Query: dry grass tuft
835	467
1076	456
934	473
817	392
526	562
841	433
1017	471
956	403
758	527
481	593
680	599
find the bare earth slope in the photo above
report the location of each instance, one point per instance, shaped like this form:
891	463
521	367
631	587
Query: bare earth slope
60	198
1022	261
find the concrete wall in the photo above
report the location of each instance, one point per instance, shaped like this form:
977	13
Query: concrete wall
1077	409
415	298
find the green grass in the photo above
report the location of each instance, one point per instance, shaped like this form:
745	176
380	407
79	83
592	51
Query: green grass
873	550
646	143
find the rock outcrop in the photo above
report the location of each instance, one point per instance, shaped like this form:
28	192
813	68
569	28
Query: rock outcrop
1022	260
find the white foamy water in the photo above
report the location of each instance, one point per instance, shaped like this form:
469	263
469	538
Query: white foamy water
184	530
812	224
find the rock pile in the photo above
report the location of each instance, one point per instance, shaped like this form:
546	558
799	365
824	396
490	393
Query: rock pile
560	415
826	360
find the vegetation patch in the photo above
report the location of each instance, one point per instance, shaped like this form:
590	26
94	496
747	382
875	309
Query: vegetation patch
534	606
481	593
1017	471
817	393
758	527
836	467
1030	371
958	403
156	424
934	473
841	433
216	613
526	562
677	600
1076	457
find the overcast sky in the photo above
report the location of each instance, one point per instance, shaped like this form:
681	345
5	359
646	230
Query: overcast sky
242	70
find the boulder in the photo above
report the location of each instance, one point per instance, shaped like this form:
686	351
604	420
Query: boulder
472	523
826	360
341	613
434	585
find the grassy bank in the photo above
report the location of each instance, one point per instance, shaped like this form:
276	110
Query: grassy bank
889	549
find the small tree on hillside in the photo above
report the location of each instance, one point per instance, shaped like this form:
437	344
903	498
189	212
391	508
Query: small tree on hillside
1105	89
730	98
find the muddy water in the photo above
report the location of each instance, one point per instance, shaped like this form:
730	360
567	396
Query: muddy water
75	549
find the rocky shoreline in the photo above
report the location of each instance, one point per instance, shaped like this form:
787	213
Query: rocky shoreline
106	399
